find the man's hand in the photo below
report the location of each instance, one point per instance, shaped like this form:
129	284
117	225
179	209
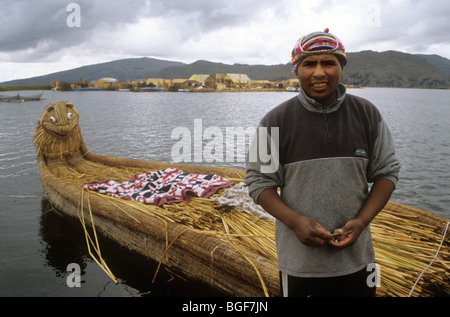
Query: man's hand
378	197
310	232
347	235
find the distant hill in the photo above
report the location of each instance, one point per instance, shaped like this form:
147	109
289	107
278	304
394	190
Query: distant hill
122	70
255	72
442	63
395	69
366	68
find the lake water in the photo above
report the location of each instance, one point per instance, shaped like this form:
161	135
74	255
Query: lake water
36	244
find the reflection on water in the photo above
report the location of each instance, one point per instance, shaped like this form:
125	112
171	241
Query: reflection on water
63	239
64	242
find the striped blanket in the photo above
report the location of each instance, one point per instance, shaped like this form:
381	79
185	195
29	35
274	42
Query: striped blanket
162	187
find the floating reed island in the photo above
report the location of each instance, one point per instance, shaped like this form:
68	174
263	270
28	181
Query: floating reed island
206	238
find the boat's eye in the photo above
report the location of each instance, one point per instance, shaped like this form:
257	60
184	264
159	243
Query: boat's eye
70	115
52	119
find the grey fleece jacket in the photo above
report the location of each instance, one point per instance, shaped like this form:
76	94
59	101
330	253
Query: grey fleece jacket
327	157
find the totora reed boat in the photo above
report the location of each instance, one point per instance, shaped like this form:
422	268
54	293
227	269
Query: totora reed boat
21	98
209	240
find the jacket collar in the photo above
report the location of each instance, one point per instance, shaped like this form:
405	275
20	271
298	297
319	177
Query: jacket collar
314	106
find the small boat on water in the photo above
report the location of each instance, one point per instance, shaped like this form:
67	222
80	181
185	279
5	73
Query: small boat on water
208	240
88	89
21	98
149	89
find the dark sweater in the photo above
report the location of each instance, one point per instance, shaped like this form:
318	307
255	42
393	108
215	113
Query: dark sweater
326	157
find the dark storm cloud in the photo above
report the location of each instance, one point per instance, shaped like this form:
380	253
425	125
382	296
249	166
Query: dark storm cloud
35	38
37	28
41	26
412	27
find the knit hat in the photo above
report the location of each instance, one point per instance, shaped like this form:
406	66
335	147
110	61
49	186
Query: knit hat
318	43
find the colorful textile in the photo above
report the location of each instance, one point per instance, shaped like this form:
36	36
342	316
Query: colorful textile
162	187
317	43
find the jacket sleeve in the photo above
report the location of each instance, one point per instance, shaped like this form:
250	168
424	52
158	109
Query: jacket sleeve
263	168
383	161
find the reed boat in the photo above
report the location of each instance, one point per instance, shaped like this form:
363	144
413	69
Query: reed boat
21	98
221	245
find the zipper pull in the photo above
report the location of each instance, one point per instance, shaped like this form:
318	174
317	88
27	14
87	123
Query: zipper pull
327	127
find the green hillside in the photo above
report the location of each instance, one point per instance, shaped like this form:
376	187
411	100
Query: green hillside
255	72
393	69
122	70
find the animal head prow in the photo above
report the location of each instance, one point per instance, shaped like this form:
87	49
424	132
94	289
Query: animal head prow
57	133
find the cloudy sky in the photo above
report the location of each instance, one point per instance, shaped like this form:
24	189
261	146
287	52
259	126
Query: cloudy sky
45	36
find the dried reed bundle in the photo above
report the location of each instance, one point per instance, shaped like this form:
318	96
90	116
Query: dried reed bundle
404	245
95	245
203	215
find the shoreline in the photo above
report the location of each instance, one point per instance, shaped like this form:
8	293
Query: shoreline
6	88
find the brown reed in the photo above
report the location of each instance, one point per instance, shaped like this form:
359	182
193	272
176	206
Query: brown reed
404	245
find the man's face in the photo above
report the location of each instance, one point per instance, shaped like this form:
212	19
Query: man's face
319	76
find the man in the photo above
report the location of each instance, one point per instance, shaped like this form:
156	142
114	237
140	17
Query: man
331	145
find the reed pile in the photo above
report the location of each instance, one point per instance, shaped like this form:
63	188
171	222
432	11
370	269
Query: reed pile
404	246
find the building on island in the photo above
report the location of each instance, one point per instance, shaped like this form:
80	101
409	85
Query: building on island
232	81
157	82
105	83
179	83
81	83
293	82
260	84
55	85
197	82
202	80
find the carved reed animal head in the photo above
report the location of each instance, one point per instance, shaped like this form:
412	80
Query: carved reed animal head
57	133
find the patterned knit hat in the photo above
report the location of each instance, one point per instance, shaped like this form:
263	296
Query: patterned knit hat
318	43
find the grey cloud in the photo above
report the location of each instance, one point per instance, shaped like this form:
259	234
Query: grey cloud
34	29
414	23
38	27
409	26
213	14
24	26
